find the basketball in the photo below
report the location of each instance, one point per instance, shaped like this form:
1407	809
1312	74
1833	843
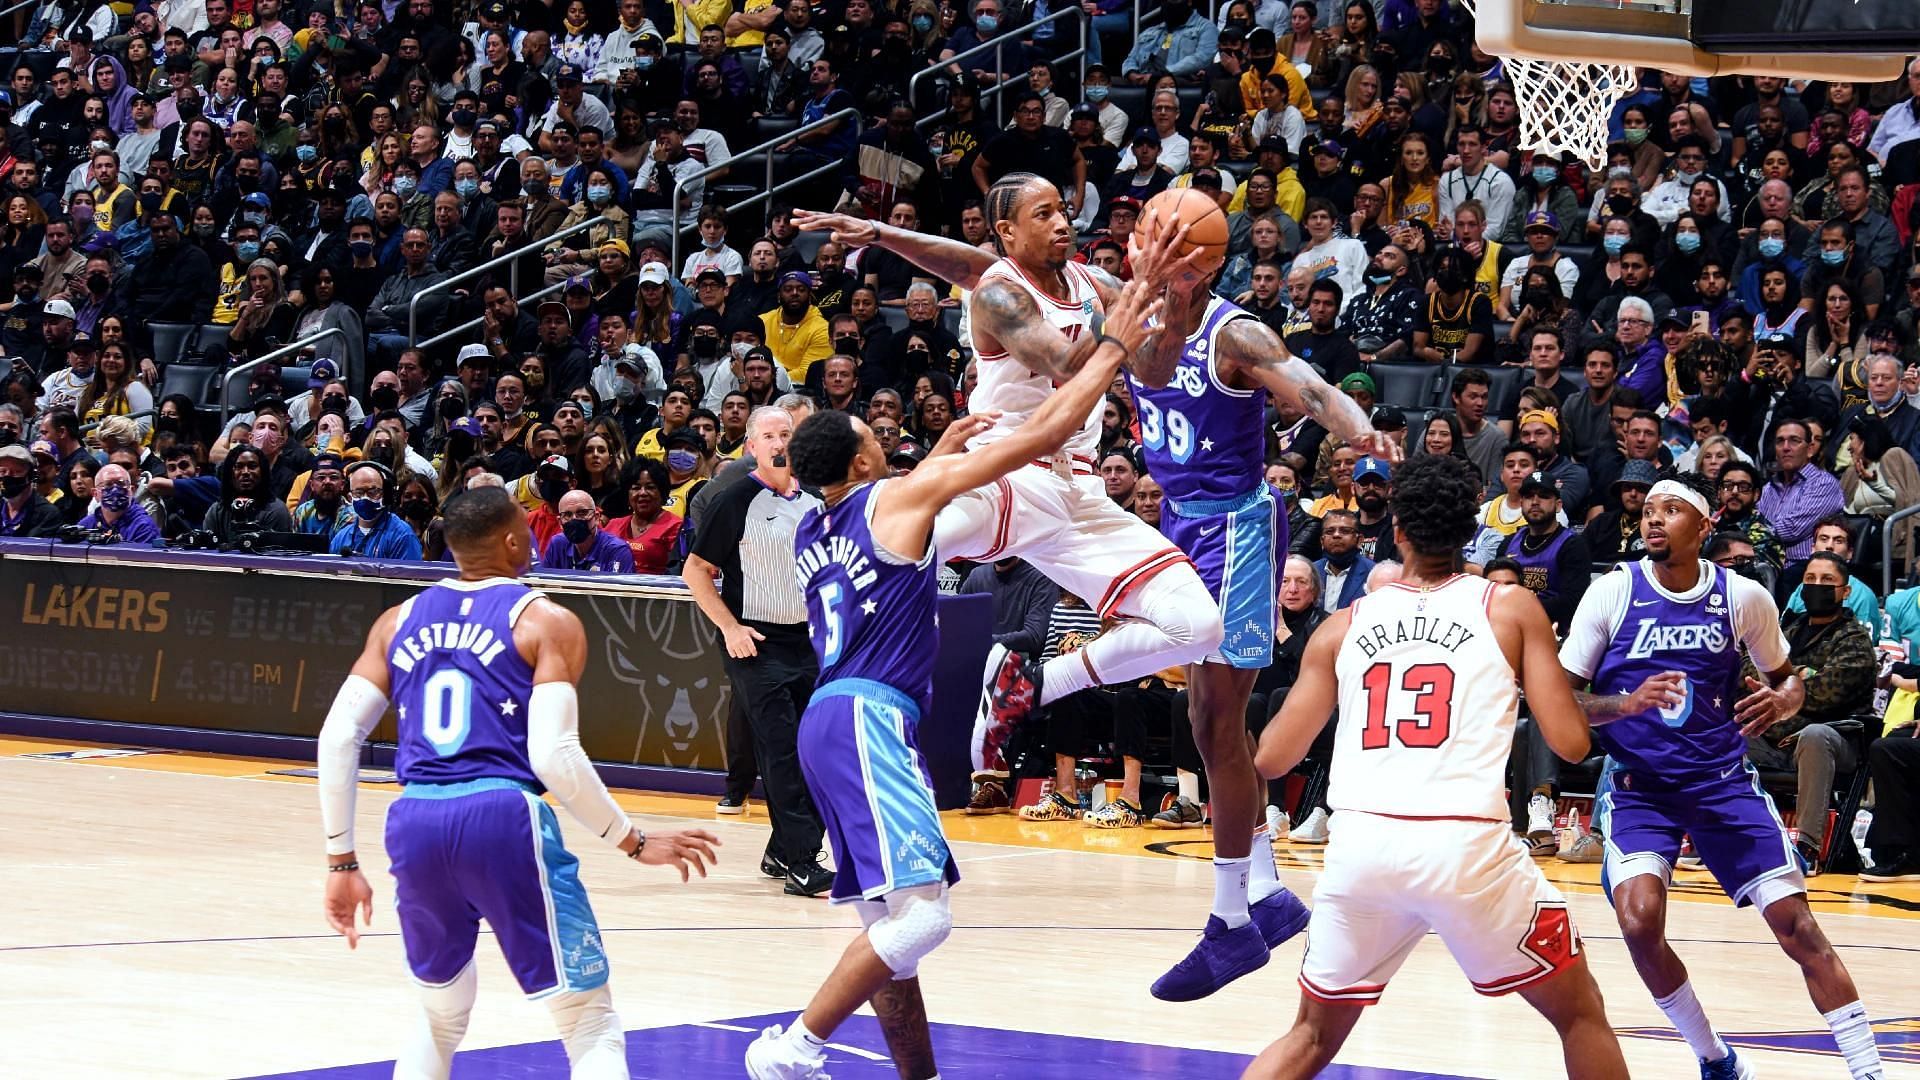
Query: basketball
1207	223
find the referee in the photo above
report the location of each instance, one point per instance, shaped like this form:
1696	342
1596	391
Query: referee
746	540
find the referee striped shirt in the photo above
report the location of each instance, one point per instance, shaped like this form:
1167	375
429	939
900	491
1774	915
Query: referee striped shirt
748	533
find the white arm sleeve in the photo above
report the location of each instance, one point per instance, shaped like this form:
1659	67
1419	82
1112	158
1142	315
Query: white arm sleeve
1757	621
1593	624
356	709
553	743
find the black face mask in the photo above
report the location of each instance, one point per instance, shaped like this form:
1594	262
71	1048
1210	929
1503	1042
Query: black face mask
1821	600
917	357
1620	205
1176	15
13	487
416	510
384	397
706	348
335	404
1449	282
551	489
451	408
98	283
1342	561
577	531
847	345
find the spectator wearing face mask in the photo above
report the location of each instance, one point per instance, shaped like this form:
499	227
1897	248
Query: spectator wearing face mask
118	516
581	545
376	532
24	512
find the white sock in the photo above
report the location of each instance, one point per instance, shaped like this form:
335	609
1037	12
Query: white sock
428	1055
1189	785
1262	882
1854	1035
803	1040
1684	1011
1230	891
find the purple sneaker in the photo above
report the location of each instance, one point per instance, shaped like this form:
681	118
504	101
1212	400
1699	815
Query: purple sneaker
1279	917
1222	956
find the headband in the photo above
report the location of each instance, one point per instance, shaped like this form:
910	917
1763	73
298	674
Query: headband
1682	492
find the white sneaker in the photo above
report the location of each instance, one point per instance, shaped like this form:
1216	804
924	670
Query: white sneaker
1540	824
773	1056
1313	830
1276	823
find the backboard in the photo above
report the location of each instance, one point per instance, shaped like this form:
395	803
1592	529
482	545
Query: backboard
1854	40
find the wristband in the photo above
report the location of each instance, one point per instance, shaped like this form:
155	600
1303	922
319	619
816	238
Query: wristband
341	868
1108	339
639	844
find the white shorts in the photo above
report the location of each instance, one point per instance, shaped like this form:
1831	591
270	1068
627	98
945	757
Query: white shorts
1389	880
1069	530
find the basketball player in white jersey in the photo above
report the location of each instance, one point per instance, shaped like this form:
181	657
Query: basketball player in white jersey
1424	674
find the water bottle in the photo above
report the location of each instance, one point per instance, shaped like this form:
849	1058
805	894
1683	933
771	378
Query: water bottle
1086	779
1862	821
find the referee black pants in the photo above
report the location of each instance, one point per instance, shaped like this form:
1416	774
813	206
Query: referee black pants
774	688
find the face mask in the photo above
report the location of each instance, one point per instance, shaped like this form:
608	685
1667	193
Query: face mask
713	244
1834	257
98	282
706	348
599	193
1686	178
335	126
384	397
682	461
368	508
741	349
253	217
1821	600
1096	94
1177	15
1342	562
847	345
918	357
1614	244
83	214
551	489
463	118
1545	174
642	62
451	408
307	153
534	381
578	532
922	24
416	510
1450	283
14	486
268	440
1636	136
405	186
1620	205
1687	242
361	248
246	251
467	187
1379	279
586	408
625	390
1772	247
118	499
207	229
150	201
334	403
987	24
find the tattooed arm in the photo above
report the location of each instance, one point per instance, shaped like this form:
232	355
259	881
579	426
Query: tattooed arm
1006	314
1658	691
1250	347
949	260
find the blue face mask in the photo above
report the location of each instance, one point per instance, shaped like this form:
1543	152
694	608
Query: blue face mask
1614	244
922	24
307	153
405	186
1687	242
599	193
467	186
247	250
115	498
987	24
360	249
642	63
1833	257
682	461
1545	174
1772	247
1096	94
368	509
1379	279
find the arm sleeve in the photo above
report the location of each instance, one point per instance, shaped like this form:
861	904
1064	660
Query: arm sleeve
1757	621
356	709
553	744
1592	624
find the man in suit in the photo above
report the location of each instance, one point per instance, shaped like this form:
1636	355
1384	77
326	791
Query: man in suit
1342	569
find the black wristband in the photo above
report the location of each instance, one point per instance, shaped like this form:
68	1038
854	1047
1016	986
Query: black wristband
341	868
1104	339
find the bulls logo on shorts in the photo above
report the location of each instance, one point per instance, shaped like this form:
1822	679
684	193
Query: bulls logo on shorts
1551	938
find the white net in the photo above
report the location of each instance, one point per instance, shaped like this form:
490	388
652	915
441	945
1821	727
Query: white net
1565	104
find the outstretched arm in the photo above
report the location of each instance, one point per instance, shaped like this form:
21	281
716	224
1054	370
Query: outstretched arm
1250	347
950	260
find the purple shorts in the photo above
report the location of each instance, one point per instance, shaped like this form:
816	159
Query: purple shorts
1239	547
863	766
490	849
1730	819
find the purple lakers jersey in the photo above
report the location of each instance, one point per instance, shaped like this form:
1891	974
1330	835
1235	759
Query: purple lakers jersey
870	613
460	688
1203	440
1700	638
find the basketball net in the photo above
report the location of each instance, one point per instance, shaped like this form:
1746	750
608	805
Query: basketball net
1565	105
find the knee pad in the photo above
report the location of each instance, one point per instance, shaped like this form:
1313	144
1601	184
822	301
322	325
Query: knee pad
591	1033
1177	602
916	922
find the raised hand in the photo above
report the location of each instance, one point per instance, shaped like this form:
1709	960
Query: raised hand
1765	707
1134	318
954	439
845	228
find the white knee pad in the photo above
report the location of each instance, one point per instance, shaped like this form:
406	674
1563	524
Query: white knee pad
590	1030
916	922
1177	602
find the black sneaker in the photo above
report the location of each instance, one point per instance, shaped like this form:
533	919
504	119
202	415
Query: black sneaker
811	879
772	865
1902	869
1809	857
731	804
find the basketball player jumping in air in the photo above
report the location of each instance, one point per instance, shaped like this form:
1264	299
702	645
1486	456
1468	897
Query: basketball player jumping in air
1424	673
1660	642
1092	549
870	570
481	672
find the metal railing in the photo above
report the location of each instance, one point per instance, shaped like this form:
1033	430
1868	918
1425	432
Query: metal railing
445	335
1886	551
997	44
511	260
17	7
226	378
88	429
767	190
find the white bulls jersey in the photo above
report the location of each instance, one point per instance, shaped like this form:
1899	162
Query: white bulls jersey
1016	390
1427	705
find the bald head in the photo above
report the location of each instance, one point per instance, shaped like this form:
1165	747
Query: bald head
575	501
112	474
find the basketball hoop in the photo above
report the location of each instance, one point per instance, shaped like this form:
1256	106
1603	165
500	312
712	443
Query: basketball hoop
1566	105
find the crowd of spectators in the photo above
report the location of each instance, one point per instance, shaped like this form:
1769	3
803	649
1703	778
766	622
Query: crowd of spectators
1734	290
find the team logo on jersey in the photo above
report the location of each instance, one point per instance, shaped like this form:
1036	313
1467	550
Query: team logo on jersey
1653	637
1189	379
1086	306
1716	604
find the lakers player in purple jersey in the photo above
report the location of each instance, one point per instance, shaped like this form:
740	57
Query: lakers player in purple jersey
480	671
1203	436
869	569
1660	642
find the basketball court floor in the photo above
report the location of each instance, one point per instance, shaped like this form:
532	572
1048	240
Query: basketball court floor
164	921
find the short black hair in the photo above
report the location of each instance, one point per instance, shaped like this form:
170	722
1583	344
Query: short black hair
1327	285
1838	520
823	448
1435	501
1839	563
1719	542
1466	377
1508	565
1738	466
476	515
650	467
1697	482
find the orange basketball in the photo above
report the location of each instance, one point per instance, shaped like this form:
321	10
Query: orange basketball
1206	222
